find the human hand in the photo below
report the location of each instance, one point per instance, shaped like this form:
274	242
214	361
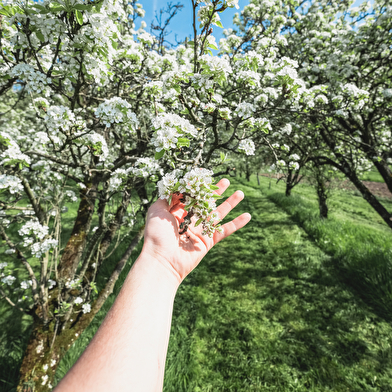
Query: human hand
181	253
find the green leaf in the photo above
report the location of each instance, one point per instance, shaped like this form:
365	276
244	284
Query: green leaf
183	142
114	44
176	186
216	196
214	187
198	222
79	17
4	12
99	6
159	155
58	8
82	7
43	9
219	24
212	46
222	156
40	36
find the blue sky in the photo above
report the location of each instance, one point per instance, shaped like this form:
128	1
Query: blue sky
182	23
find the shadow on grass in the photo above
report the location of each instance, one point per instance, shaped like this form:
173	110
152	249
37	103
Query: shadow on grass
362	259
273	314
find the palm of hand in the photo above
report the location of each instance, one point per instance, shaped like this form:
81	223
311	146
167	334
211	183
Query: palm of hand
183	252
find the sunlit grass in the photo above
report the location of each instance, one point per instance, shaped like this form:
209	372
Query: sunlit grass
271	308
267	311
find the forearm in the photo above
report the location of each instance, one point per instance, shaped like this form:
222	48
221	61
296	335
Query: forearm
128	352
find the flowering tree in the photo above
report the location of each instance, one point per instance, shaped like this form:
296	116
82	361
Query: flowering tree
345	54
98	114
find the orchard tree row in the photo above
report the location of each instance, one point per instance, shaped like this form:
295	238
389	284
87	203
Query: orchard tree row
348	52
97	113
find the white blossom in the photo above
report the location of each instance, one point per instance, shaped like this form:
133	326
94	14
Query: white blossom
44	379
169	127
51	283
26	284
12	183
86	308
8	280
247	146
116	110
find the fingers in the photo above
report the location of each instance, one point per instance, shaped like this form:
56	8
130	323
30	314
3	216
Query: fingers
229	204
223	184
231	227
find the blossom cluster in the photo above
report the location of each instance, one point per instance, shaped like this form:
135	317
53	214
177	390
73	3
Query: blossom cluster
9	280
143	167
59	117
40	248
35	81
169	128
33	230
12	183
199	197
12	153
247	146
116	110
97	144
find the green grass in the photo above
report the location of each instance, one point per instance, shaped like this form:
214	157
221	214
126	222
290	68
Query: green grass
274	307
372	175
266	310
359	241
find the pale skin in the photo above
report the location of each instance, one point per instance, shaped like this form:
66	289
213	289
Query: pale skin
128	352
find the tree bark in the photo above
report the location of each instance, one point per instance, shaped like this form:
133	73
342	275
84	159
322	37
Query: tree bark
248	171
386	173
322	200
48	343
289	183
370	198
75	245
345	168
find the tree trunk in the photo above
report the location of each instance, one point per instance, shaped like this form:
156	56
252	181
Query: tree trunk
347	170
75	245
322	199
43	350
37	355
323	207
386	173
289	183
248	172
370	198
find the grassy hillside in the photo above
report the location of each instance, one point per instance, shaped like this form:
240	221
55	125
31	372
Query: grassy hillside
290	303
269	311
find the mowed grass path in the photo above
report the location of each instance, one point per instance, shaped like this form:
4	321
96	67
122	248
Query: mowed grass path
266	311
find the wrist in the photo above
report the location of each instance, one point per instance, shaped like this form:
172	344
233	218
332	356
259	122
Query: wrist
155	267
